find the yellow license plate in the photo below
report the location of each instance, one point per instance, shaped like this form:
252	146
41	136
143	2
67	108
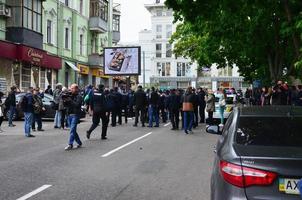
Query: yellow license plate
289	186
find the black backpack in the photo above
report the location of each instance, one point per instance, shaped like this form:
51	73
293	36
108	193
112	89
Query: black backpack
23	103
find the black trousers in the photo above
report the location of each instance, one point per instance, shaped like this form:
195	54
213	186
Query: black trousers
115	112
195	122
140	112
163	114
1	120
210	119
125	109
96	120
174	116
201	113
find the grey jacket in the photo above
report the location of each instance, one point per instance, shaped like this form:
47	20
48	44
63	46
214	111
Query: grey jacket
210	103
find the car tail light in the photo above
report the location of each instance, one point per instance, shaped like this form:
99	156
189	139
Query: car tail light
244	176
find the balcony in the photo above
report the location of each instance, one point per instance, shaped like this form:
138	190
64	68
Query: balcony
95	60
98	20
116	36
98	25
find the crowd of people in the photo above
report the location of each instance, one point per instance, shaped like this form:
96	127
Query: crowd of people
185	109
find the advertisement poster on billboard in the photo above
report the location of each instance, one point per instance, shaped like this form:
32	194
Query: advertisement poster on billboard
122	61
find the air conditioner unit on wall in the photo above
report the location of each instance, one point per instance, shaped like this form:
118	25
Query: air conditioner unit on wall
5	10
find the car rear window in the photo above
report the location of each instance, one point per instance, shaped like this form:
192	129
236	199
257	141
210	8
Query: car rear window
270	131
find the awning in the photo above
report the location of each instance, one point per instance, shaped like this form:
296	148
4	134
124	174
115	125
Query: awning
72	66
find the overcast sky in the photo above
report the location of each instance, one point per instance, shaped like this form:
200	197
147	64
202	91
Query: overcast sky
134	18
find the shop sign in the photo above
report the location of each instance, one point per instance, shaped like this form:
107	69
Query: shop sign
35	56
83	69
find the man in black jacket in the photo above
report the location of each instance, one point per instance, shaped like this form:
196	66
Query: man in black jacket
73	103
98	109
173	104
153	108
10	104
202	104
140	102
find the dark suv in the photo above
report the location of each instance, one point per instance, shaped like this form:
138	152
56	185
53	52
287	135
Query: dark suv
259	154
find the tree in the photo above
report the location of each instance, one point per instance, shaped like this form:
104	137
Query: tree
262	37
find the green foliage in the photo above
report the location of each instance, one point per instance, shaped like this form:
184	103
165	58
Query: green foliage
261	37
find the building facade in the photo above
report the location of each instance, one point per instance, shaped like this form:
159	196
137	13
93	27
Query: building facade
55	41
24	63
161	68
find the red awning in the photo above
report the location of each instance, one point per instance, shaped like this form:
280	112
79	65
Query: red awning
31	55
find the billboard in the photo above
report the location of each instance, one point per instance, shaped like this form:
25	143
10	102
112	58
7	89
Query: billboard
122	61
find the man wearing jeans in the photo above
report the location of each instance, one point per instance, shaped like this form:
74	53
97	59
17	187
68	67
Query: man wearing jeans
73	103
56	99
153	108
28	109
11	105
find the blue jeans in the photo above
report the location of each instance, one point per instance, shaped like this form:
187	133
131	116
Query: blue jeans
12	110
188	120
221	112
73	123
58	117
153	112
28	117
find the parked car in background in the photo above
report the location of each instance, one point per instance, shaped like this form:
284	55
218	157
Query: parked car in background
49	113
259	154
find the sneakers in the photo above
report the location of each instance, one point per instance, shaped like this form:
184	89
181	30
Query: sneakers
11	125
41	130
104	138
78	146
30	135
68	148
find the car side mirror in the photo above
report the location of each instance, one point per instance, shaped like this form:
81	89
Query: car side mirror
214	129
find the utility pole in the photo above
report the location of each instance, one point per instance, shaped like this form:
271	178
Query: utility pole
144	78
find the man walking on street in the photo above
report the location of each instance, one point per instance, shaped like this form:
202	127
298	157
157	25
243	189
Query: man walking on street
97	106
73	102
153	108
10	104
27	107
56	98
140	102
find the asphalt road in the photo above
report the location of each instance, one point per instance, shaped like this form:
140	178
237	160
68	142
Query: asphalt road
157	164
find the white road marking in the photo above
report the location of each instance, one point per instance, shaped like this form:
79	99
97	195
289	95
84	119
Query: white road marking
36	191
167	124
125	145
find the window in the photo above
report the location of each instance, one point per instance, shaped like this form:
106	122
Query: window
81	44
258	130
42	78
168	50
164	69
168	69
158	28
26	77
116	23
49	29
81	7
66	2
159	13
169	30
99	8
169	12
158	50
182	69
66	38
32	14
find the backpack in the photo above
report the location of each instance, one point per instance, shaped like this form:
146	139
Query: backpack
108	102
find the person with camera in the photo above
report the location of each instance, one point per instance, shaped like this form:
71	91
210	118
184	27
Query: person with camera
97	107
73	102
38	109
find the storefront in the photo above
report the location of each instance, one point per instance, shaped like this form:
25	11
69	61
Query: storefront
98	77
83	75
25	66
